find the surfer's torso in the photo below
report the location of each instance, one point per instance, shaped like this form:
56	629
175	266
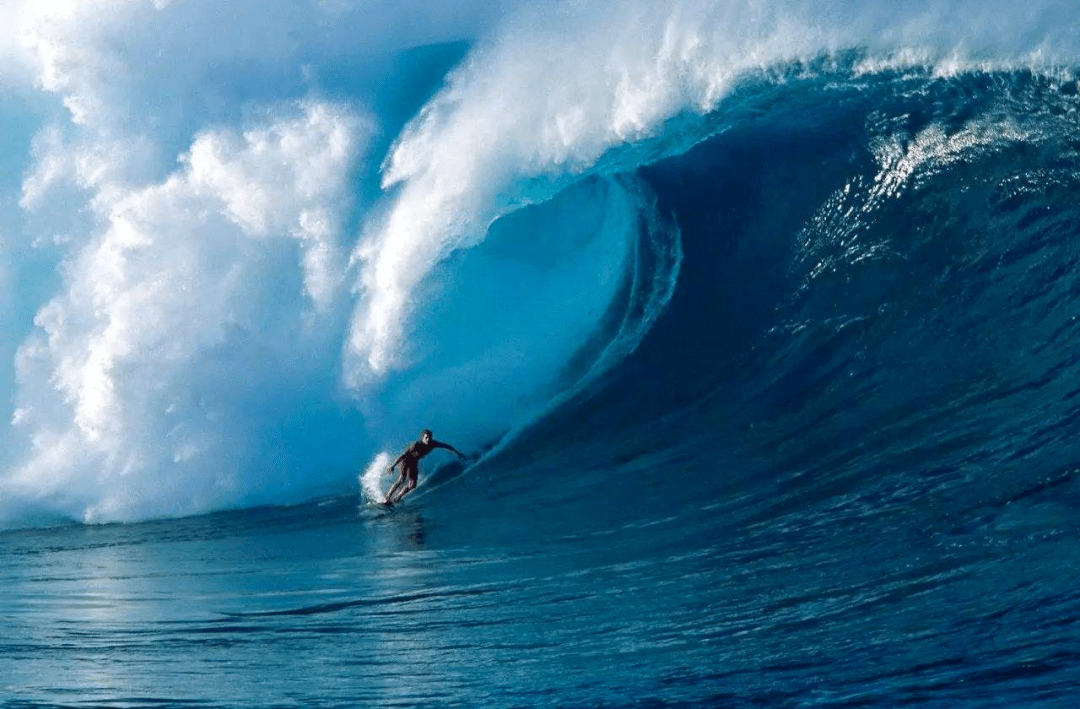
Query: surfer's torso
419	449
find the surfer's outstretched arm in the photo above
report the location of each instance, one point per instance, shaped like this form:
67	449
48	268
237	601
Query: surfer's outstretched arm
447	446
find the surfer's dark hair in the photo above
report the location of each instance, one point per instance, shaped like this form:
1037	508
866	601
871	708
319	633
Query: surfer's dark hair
427	431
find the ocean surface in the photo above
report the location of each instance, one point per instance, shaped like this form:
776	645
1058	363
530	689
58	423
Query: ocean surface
771	400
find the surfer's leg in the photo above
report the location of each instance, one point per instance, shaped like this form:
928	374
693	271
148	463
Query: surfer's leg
395	487
405	491
408	477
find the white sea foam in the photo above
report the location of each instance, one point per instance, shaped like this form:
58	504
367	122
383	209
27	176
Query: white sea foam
371	480
187	310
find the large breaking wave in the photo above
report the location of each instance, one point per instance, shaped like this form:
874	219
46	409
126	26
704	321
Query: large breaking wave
795	237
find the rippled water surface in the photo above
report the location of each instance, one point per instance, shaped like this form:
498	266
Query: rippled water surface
335	605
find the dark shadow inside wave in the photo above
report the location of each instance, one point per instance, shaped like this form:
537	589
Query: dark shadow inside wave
874	305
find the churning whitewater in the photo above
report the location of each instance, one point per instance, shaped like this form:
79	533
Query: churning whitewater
758	322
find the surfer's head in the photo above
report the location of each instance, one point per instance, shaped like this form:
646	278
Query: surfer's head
425	435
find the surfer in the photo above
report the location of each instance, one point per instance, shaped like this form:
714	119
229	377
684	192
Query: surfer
409	468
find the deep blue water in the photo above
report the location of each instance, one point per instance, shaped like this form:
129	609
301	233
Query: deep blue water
840	469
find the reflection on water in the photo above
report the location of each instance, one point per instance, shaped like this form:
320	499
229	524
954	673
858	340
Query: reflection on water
429	605
415	531
400	529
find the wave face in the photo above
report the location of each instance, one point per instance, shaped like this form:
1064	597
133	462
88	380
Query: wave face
840	469
383	219
853	427
876	298
759	322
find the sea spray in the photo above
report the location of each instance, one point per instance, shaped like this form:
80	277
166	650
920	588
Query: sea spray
370	487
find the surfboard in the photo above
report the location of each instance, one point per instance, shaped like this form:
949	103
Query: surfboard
375	509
